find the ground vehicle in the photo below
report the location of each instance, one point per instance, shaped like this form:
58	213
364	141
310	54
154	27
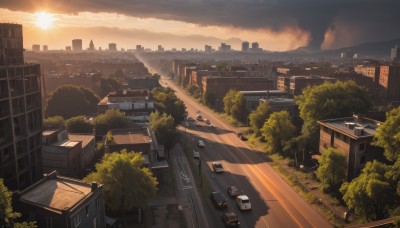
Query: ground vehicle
230	219
217	167
196	154
199	118
197	124
189	118
243	202
240	135
233	191
187	124
201	143
218	200
207	121
211	126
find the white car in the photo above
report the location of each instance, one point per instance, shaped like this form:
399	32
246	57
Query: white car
201	143
196	154
243	202
217	167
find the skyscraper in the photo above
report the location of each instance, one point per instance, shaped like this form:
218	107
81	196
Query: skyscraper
112	47
245	46
91	46
20	112
36	47
77	45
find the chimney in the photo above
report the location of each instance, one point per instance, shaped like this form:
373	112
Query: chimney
94	186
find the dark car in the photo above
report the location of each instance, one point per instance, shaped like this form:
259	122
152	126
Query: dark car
218	200
230	219
234	191
241	136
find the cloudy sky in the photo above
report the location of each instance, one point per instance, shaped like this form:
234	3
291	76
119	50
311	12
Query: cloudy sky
276	25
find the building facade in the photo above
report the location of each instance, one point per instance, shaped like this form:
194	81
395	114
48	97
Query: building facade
20	112
77	45
389	83
298	83
60	202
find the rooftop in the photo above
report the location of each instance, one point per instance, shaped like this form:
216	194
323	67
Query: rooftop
85	139
57	193
131	136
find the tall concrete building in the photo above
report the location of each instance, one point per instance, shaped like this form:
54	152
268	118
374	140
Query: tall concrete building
20	112
245	46
395	53
36	47
112	47
91	46
45	48
77	45
255	46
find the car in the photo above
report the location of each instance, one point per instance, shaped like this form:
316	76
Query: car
197	124
189	118
217	167
230	219
201	143
211	126
243	202
234	191
207	121
199	118
196	154
240	135
218	200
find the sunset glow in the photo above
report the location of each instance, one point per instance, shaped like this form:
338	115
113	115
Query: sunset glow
44	20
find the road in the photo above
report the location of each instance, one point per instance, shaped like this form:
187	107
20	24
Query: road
274	202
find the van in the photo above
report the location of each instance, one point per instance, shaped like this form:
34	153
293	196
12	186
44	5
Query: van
243	202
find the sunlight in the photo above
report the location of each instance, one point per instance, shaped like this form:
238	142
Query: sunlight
44	20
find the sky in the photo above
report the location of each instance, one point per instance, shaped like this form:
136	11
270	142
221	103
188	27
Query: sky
277	25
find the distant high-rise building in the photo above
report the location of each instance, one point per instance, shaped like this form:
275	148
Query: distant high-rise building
207	49
45	48
348	54
139	48
255	46
183	49
91	46
68	48
160	48
245	46
395	53
112	47
77	45
225	47
36	47
21	112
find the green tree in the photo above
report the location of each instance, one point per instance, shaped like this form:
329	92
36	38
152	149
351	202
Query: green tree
79	124
68	101
332	169
54	122
168	102
371	195
7	215
329	100
239	108
229	100
278	130
258	117
164	128
387	135
111	119
210	99
127	184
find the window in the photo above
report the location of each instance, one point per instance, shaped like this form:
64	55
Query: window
49	222
77	220
87	211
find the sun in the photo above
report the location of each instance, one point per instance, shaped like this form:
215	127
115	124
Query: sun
44	20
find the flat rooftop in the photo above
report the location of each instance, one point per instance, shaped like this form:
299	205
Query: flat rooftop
131	136
342	125
58	193
85	139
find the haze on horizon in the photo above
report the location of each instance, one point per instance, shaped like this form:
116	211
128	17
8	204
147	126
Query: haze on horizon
277	25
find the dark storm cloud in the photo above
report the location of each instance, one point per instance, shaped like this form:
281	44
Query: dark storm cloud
313	16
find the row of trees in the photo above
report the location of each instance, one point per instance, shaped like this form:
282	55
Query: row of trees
235	105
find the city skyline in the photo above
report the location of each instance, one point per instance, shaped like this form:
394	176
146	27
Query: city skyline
276	26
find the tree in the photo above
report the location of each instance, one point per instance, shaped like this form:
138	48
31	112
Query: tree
328	101
127	184
371	195
164	129
168	102
111	119
54	122
79	124
239	108
258	117
108	85
278	130
332	169
387	135
229	101
68	101
7	215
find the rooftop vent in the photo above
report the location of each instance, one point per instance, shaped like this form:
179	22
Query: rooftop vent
350	125
358	131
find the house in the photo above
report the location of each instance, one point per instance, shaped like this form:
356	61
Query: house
351	136
62	202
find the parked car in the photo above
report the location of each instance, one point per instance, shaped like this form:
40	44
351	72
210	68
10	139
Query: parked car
218	200
233	191
197	124
241	136
217	167
230	219
207	121
196	154
211	126
243	202
189	118
201	143
199	118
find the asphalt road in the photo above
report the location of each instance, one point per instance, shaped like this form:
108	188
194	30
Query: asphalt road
274	202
